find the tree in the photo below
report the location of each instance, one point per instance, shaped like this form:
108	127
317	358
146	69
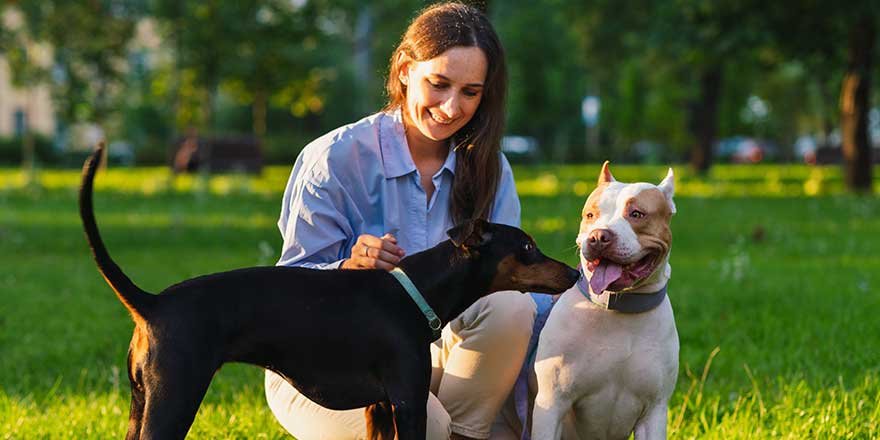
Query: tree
275	49
704	36
695	38
88	61
546	83
854	104
202	35
836	39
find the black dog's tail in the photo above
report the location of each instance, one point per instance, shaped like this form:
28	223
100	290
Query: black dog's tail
380	421
135	299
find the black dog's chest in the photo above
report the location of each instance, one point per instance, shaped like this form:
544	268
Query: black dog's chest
339	391
342	372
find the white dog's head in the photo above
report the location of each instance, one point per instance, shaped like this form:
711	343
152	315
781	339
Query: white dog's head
624	235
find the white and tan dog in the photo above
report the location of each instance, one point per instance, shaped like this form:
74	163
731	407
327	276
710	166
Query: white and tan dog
607	359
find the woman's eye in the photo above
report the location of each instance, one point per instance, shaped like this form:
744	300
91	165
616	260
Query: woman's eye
636	214
471	93
438	86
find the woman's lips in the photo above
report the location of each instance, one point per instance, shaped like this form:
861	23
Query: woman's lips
440	120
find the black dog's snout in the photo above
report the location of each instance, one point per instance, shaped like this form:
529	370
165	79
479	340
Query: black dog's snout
573	275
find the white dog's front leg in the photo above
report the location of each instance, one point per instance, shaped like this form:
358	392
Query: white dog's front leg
653	425
553	399
547	417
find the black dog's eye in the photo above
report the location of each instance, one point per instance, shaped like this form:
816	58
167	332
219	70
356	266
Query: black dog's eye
528	247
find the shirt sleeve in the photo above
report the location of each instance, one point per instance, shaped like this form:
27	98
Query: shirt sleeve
506	209
316	233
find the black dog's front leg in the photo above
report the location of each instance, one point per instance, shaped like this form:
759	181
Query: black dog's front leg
407	383
411	417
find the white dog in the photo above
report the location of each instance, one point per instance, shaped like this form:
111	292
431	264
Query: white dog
607	359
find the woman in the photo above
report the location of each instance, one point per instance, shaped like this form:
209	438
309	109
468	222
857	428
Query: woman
364	195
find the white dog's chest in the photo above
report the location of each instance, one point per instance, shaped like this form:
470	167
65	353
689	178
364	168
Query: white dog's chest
612	367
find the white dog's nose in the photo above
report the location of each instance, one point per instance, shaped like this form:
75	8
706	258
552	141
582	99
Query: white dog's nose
599	239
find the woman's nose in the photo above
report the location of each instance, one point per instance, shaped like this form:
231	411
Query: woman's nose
450	106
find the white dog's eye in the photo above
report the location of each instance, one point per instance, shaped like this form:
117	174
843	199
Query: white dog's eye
636	214
590	215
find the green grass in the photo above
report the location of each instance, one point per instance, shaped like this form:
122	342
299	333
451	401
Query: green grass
775	291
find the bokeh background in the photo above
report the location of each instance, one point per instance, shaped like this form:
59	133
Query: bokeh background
647	82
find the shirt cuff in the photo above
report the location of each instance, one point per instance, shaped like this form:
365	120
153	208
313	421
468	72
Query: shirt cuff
322	266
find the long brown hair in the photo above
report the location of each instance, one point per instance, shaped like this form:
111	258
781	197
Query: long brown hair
478	166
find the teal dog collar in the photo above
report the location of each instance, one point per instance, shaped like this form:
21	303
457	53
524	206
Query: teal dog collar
434	322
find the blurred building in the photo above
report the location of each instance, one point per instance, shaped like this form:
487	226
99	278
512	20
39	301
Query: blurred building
23	108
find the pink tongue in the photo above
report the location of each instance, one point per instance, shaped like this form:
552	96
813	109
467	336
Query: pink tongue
605	274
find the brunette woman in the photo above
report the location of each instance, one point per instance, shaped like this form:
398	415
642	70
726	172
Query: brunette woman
366	194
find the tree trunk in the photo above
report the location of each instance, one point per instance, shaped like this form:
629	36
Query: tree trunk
854	105
28	144
704	118
826	94
209	111
259	113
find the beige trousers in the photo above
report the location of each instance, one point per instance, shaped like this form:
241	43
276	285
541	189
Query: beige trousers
474	365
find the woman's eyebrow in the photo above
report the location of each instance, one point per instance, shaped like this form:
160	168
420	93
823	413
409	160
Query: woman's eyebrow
449	80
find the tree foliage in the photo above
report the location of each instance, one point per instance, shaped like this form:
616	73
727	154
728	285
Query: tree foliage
673	75
89	46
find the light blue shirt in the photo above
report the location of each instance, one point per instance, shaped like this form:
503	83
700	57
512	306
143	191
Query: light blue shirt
361	179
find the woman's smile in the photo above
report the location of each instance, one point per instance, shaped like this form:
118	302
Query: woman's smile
440	119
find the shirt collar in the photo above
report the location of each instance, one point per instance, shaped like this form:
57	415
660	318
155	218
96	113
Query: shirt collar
450	160
396	157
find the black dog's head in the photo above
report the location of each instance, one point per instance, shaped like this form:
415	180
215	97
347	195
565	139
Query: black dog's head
514	257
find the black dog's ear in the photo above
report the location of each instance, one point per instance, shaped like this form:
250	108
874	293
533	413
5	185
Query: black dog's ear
471	233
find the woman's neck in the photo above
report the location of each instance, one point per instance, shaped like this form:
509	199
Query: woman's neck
425	152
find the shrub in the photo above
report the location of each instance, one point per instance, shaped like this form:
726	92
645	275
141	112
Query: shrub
11	150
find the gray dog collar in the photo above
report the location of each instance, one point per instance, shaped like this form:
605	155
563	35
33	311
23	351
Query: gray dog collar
621	302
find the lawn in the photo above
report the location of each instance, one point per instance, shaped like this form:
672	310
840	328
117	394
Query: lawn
775	287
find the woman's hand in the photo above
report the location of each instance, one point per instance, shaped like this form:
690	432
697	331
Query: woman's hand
371	252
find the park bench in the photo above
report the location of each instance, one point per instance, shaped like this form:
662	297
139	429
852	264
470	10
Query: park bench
242	153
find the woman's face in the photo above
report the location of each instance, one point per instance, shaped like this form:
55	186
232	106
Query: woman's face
443	93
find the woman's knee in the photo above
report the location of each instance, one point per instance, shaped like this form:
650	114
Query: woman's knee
439	425
305	419
506	315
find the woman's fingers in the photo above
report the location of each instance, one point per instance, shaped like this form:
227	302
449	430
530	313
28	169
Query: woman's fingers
371	252
387	243
382	255
384	265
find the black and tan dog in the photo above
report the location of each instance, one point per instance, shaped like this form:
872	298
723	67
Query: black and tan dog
344	338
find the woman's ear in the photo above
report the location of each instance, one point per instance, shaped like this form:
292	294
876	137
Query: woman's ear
403	62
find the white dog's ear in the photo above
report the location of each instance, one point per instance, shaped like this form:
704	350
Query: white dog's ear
667	187
605	176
